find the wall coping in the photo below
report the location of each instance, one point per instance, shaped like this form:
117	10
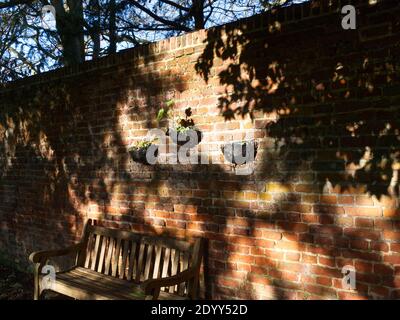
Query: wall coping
285	15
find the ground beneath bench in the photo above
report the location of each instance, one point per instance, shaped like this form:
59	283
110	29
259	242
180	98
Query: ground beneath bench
18	285
15	285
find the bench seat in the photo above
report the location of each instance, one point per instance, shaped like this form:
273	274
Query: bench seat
84	284
115	264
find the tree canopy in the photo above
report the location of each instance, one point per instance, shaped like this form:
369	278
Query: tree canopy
32	40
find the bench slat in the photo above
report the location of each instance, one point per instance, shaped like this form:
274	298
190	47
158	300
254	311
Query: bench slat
114	233
92	282
89	250
166	262
132	262
184	264
148	264
109	255
82	283
174	266
124	270
115	259
167	242
140	262
95	253
157	262
102	254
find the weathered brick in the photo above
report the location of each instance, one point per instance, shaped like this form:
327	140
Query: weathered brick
289	227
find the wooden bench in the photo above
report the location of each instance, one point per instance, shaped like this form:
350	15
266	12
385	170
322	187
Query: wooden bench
115	264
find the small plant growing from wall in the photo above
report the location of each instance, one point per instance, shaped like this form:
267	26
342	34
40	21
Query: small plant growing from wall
181	130
144	151
166	112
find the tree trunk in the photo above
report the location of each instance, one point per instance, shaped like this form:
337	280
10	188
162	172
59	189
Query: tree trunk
198	14
95	32
113	36
69	25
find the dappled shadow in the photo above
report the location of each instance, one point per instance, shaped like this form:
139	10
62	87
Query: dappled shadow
334	102
325	114
330	111
64	155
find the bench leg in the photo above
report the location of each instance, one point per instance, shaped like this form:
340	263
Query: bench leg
36	293
36	284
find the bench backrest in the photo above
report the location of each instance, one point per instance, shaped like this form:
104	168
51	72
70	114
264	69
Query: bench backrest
137	257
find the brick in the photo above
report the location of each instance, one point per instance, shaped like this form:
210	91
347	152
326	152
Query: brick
284	231
395	247
328	272
379	246
344	221
330	230
379	291
329	262
364	223
296	207
364	267
391	235
364	201
392	258
361	233
370	256
310	259
292	256
273	254
320	290
264	243
272	235
343	295
324	281
259	279
264	196
359	244
328	209
185	208
363	211
383	269
328	199
345	200
306	188
391	212
294	227
290	266
278	187
257	251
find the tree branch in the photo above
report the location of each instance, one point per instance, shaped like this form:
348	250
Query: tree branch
157	18
178	6
13	3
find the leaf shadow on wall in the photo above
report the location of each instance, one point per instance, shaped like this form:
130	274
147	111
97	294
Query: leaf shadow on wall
64	155
328	105
68	157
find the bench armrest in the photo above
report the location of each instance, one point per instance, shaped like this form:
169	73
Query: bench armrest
152	286
39	259
40	256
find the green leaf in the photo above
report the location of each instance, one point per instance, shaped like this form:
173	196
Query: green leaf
161	114
169	103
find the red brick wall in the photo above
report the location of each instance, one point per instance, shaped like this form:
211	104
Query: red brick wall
324	104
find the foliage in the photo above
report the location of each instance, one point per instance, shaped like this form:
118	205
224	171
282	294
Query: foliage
185	124
273	84
182	124
89	29
166	111
143	144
